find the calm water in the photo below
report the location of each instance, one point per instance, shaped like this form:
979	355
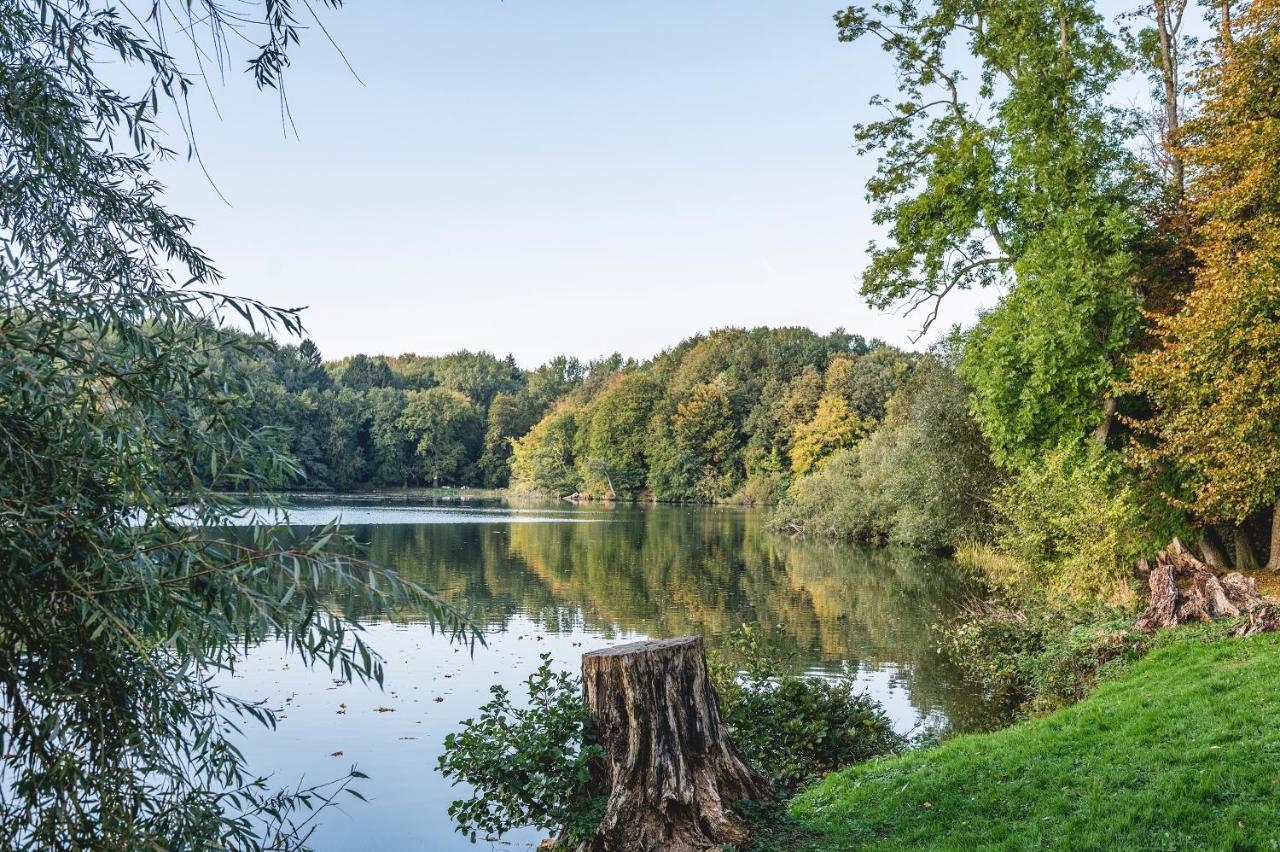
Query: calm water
564	580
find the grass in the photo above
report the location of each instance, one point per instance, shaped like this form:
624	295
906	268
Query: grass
1181	750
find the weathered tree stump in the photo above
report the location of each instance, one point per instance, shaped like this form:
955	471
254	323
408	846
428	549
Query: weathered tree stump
1206	597
1162	611
669	771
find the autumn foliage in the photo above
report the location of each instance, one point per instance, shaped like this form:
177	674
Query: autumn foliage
1214	380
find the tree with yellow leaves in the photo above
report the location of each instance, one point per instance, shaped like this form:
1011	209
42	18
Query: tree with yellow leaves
834	426
1214	379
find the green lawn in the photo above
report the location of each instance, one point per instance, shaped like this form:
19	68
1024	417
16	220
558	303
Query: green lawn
1182	751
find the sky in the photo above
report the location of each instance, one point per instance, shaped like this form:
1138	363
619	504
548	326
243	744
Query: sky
539	177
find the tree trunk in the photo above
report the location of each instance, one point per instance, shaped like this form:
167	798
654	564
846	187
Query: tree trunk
1273	555
1211	553
1101	433
1245	559
1162	610
1168	14
669	770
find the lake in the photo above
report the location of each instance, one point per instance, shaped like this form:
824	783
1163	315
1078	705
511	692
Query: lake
563	580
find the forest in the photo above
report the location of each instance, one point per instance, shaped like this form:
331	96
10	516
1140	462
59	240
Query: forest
733	414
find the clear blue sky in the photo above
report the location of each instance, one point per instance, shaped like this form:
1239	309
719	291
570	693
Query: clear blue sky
540	177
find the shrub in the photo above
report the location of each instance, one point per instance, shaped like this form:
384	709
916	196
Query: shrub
526	765
761	489
532	765
939	473
842	499
1071	526
794	729
1040	656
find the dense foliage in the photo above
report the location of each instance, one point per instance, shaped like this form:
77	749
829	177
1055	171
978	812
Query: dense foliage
923	478
372	421
1213	377
732	413
794	729
1071	526
1039	657
122	426
1121	390
527	763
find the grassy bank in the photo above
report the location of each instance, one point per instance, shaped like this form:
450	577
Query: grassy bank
1180	751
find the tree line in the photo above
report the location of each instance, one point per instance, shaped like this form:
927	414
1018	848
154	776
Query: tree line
733	413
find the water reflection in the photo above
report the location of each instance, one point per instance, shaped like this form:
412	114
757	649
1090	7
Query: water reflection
567	587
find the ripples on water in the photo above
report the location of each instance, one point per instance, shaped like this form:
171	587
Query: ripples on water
563	580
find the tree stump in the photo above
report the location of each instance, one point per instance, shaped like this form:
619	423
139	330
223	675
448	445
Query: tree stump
669	770
1205	598
1163	608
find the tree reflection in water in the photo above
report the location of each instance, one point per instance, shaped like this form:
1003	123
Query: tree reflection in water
674	570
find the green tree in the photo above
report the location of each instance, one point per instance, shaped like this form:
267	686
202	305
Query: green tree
346	438
611	441
510	416
941	476
692	450
542	461
867	382
301	367
554	380
1024	176
362	373
391	446
834	426
477	375
448	430
121	397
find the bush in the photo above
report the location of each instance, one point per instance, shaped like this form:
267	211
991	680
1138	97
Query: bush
532	765
923	478
842	499
794	729
1071	526
939	473
526	765
1041	657
761	489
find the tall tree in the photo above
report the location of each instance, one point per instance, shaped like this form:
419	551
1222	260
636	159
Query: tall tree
509	417
1215	377
543	459
448	429
613	435
1022	176
121	398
